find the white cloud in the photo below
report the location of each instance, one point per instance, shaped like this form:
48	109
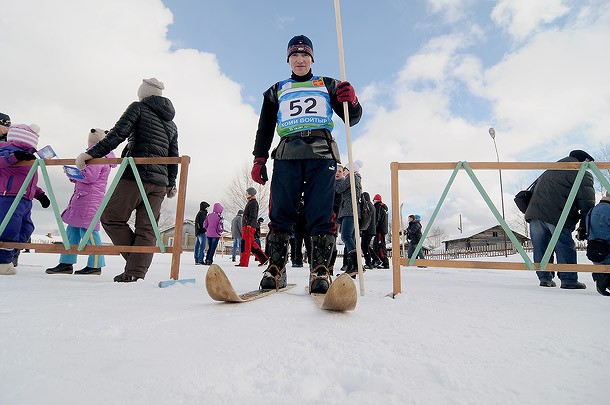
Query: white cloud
451	10
548	96
522	17
70	66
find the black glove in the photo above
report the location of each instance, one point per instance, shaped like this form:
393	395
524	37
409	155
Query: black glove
21	155
44	200
581	233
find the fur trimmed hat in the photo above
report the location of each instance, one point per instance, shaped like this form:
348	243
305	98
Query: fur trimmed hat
96	135
581	155
150	87
24	133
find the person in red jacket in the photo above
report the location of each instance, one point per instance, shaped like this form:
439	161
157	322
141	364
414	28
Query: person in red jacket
249	222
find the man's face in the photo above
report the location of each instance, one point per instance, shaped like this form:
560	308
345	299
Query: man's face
300	63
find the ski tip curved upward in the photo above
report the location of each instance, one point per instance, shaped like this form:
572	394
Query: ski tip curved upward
218	285
342	295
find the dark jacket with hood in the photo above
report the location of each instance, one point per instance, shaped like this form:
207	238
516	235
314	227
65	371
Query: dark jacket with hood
551	193
148	127
200	217
414	232
381	215
371	230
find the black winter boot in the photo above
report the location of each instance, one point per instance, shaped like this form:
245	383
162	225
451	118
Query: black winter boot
319	275
352	264
275	275
61	268
89	270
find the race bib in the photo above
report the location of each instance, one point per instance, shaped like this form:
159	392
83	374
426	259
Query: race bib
303	106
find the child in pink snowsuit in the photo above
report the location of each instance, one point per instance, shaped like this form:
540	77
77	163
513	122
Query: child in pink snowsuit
21	143
86	199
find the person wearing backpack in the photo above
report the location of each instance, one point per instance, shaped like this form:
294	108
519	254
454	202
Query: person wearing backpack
598	245
368	227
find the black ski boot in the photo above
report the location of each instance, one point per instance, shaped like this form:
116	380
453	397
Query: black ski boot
319	274
61	268
275	275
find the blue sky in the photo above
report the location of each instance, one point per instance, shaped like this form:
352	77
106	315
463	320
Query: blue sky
432	77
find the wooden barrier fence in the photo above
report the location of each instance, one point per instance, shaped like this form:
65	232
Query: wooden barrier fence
469	167
175	250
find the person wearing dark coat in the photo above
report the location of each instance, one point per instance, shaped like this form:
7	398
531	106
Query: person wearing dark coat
367	235
414	235
236	233
149	129
380	252
598	228
549	197
200	232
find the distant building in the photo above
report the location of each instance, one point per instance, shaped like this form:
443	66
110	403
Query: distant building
482	237
188	235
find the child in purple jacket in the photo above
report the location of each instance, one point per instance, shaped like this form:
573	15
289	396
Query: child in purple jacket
88	194
214	228
20	145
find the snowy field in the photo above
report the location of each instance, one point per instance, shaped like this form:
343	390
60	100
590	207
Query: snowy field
454	336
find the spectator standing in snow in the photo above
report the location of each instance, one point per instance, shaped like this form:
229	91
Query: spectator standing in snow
300	237
249	224
5	123
200	237
368	234
301	109
548	200
21	143
89	191
148	127
236	233
414	235
346	216
379	247
598	227
214	227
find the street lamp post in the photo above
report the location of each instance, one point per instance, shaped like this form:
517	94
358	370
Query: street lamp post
492	133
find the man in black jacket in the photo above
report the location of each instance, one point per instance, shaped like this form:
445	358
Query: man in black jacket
200	232
148	127
301	109
543	212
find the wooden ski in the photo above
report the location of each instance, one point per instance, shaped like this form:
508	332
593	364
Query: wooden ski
220	289
341	296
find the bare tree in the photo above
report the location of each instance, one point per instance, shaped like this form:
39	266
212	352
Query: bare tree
603	155
235	196
435	236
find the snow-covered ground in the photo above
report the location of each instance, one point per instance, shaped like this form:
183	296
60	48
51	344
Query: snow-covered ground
454	336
